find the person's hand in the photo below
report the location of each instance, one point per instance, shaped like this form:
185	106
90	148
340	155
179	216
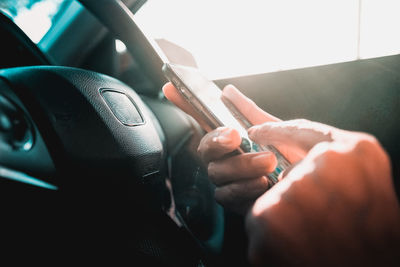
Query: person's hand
239	179
336	206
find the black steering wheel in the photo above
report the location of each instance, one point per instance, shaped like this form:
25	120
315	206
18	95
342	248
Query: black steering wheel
91	159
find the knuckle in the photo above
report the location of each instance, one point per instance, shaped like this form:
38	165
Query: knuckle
301	121
366	139
368	146
262	131
298	124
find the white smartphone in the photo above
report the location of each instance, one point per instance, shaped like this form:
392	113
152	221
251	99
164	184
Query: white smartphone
206	98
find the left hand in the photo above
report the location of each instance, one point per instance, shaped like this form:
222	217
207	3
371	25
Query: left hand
239	179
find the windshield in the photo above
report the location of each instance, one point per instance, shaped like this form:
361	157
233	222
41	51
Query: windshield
34	17
232	38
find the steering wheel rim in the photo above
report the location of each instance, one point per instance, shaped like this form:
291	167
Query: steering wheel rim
122	24
52	119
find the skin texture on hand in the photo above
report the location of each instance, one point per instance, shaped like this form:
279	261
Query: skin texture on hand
239	179
336	207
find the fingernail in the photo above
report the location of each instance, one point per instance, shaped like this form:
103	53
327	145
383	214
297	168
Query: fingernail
223	140
261	159
252	130
224	137
229	87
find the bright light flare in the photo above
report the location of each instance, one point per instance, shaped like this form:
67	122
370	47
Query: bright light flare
35	22
233	38
120	46
380	22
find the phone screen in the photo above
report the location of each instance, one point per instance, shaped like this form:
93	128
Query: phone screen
193	84
205	96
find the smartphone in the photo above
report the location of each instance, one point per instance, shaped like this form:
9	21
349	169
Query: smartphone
206	98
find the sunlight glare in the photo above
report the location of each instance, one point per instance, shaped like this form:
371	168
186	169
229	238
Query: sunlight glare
379	30
120	46
36	21
231	38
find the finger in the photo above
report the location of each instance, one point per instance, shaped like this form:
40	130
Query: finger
241	195
217	143
173	95
299	134
241	167
246	106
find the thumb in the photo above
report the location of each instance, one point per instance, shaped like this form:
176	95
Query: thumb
172	94
297	134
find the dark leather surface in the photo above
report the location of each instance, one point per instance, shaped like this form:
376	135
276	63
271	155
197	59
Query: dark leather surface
80	130
110	176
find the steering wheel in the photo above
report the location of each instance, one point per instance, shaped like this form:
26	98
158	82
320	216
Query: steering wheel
92	158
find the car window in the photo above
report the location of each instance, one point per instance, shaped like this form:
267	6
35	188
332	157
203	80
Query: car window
34	17
232	38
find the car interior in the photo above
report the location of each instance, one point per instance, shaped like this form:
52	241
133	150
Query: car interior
96	164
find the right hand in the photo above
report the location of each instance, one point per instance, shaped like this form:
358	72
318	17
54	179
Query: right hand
336	206
239	179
